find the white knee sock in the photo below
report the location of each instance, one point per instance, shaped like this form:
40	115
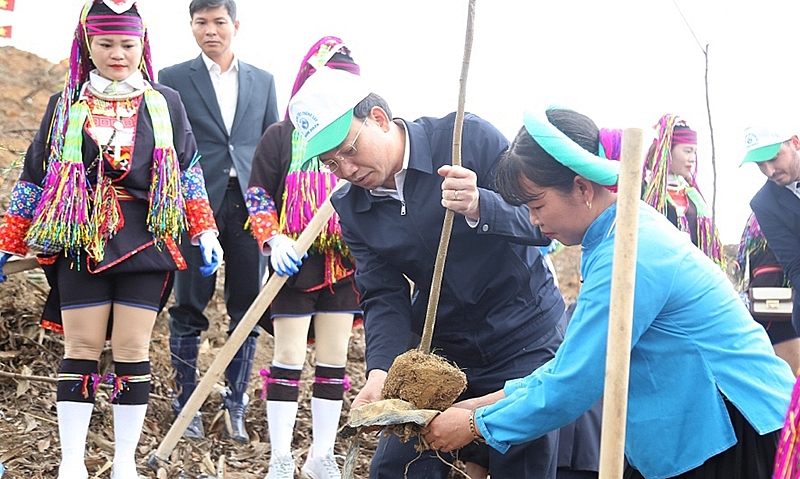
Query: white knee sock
128	422
281	416
73	424
325	415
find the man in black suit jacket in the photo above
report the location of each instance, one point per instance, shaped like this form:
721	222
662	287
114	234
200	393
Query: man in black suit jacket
776	151
230	104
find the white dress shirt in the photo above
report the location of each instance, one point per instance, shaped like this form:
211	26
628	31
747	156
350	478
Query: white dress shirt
226	87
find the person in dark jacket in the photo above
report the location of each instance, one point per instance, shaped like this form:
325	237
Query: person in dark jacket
776	151
108	187
230	104
499	313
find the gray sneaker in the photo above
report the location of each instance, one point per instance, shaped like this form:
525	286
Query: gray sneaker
322	467
281	468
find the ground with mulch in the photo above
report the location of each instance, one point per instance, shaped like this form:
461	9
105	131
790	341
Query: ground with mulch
29	355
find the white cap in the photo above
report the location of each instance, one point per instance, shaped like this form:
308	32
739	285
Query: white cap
762	143
322	110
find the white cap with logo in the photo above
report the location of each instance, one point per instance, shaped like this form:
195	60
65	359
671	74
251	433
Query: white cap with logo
762	143
322	110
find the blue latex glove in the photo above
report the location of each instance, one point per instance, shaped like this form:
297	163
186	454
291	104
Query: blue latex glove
211	251
3	258
284	258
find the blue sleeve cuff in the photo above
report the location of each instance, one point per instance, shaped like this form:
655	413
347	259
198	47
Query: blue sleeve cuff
500	446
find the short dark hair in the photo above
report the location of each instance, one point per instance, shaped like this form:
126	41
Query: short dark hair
198	5
366	105
525	158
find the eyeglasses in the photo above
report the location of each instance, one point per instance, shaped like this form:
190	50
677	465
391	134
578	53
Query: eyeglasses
343	153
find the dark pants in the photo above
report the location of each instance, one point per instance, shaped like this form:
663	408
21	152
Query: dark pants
533	460
244	265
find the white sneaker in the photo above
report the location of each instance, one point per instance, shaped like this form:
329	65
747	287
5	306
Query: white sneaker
281	468
73	472
322	467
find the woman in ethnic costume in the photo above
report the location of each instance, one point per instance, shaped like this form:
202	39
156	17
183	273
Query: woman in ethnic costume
670	184
282	198
107	186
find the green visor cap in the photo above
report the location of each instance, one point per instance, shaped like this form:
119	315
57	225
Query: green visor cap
765	153
329	137
558	145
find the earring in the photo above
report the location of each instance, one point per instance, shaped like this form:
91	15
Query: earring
588	204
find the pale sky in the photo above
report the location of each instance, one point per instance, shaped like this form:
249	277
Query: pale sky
624	63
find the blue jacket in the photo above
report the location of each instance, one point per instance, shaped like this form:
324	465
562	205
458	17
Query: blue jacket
497	294
777	210
693	343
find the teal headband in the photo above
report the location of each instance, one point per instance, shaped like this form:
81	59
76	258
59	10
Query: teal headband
565	151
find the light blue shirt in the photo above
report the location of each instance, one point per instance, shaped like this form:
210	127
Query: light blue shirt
693	341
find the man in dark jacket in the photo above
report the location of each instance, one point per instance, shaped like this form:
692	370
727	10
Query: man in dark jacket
776	151
230	104
499	315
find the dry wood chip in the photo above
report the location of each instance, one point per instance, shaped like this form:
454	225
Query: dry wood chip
23	384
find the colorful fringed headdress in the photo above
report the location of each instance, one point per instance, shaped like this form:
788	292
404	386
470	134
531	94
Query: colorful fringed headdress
64	219
659	158
120	17
670	131
98	17
610	143
610	146
752	241
328	51
306	189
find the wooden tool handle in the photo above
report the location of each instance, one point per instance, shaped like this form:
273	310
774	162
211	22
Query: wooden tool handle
238	336
19	265
620	321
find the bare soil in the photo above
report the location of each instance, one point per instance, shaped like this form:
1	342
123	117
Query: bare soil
425	380
29	445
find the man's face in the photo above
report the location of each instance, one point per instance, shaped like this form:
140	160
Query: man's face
785	167
363	157
213	29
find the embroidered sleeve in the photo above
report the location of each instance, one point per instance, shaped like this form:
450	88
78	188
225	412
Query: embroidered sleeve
17	219
264	222
198	210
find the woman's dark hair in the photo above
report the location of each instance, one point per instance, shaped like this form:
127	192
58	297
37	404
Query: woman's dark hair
525	158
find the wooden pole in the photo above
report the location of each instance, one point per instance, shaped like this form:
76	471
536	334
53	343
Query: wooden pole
19	265
623	278
237	337
447	226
